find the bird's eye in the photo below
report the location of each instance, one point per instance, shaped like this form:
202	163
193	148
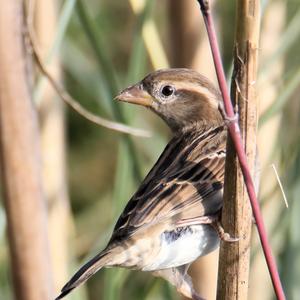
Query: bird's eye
167	90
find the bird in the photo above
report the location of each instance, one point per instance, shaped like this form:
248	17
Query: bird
174	216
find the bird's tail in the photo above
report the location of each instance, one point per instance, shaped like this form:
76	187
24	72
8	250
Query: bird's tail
85	272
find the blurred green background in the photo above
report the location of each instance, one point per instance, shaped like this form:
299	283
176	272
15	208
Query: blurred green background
96	48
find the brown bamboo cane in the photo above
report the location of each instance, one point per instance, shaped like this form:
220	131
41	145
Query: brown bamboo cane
234	258
20	161
236	137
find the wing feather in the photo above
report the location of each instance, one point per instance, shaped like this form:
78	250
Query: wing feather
185	183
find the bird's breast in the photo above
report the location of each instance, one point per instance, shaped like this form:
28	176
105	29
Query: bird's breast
183	245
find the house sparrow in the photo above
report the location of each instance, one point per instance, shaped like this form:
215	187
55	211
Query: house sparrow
173	218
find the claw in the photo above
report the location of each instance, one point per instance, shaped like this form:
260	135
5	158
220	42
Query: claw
224	236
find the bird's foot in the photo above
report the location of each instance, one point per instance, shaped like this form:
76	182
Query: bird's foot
224	236
181	280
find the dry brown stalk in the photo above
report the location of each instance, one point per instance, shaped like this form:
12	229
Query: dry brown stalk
52	127
237	139
237	214
21	164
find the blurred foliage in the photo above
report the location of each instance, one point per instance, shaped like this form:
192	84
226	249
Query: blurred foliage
102	51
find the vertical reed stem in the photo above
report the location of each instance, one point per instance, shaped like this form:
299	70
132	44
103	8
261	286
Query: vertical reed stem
20	161
237	215
235	134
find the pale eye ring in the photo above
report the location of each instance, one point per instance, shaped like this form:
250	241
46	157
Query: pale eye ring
167	90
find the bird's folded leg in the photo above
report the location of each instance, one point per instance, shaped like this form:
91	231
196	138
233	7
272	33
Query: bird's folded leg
214	221
224	236
199	220
180	279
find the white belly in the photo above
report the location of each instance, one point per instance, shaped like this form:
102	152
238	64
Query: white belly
197	241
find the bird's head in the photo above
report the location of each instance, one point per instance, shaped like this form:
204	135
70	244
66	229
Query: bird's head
181	97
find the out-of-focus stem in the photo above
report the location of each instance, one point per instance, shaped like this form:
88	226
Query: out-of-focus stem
268	92
151	38
21	163
53	154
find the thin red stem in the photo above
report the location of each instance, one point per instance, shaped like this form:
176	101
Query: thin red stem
235	134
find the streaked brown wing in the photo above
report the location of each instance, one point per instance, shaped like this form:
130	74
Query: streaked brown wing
186	182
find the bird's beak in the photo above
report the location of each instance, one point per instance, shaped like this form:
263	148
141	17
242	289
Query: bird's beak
135	94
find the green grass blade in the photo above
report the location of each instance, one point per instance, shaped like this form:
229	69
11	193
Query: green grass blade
97	43
137	61
107	68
